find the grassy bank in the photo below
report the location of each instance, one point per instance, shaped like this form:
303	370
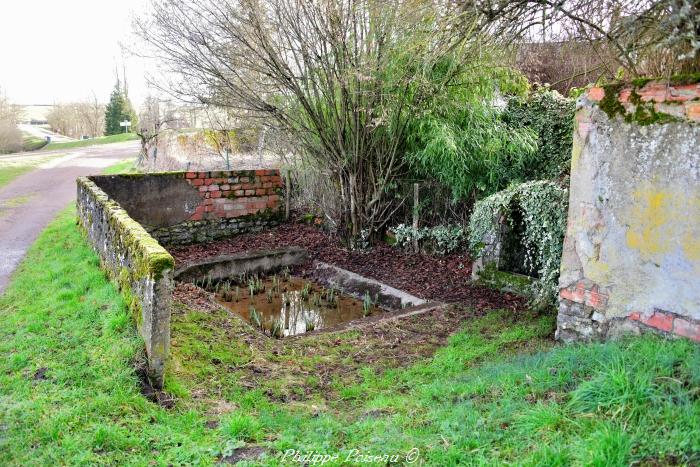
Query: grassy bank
69	393
91	142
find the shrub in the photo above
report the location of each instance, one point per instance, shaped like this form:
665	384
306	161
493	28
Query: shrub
551	116
442	239
543	205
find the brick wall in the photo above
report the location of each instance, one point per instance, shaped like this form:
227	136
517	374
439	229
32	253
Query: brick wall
179	208
235	193
631	259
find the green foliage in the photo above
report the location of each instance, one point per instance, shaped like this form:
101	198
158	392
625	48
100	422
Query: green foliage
551	116
460	139
119	109
543	205
442	239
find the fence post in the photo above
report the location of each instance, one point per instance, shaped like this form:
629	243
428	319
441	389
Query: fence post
416	211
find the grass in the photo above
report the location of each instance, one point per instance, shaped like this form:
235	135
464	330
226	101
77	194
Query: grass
123	167
91	142
69	393
10	172
32	143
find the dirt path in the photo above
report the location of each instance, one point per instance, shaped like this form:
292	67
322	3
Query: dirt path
29	202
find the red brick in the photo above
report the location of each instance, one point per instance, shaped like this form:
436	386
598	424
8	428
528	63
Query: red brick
191	175
203	174
659	320
687	329
261	191
197	182
596	300
596	94
215	194
197	216
273	198
203	188
576	295
635	316
244	179
248	186
225	186
239	193
249	192
692	111
261	172
208	181
209	208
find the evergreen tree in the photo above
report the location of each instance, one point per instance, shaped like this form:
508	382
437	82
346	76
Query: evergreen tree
118	110
114	111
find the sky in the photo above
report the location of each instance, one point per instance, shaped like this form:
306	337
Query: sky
54	51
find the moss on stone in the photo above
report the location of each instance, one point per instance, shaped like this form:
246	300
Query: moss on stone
505	281
644	113
610	104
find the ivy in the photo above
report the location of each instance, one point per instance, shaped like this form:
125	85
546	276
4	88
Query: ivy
551	117
442	239
543	205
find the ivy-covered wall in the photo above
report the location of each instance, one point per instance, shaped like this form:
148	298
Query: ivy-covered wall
631	258
140	266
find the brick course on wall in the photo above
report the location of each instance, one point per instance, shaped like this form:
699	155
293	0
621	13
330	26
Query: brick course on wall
179	208
631	259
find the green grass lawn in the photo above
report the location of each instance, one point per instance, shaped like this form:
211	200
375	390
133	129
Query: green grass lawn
69	393
91	142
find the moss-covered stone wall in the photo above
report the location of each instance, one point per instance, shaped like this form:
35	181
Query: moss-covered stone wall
140	266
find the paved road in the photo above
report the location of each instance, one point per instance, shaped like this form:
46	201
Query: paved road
42	133
31	201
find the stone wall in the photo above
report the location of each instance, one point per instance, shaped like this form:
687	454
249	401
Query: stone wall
631	259
137	263
179	208
127	217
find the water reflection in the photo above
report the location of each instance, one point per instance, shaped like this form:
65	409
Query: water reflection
294	306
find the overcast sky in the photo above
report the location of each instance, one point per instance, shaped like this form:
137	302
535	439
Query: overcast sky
63	50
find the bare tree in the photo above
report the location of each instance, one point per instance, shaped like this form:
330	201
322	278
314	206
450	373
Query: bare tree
643	37
342	77
153	120
10	136
77	119
92	115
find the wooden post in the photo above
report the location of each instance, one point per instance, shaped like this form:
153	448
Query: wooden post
287	195
416	212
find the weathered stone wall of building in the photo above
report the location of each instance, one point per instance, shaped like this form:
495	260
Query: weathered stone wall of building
631	259
179	208
140	266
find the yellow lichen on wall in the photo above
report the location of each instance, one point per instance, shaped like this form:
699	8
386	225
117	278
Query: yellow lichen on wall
661	220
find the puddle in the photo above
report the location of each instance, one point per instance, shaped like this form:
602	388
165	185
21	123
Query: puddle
289	306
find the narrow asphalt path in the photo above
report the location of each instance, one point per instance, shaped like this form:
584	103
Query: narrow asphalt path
29	202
